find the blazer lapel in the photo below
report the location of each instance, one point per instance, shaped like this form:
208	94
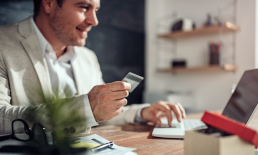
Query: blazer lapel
32	47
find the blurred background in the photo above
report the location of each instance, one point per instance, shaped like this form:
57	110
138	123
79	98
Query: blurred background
189	51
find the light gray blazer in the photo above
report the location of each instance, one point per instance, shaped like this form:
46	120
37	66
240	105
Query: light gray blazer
24	77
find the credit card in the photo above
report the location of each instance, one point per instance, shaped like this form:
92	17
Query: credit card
133	79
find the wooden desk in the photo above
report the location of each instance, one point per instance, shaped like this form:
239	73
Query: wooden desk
139	137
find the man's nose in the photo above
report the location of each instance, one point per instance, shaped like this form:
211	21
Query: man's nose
92	19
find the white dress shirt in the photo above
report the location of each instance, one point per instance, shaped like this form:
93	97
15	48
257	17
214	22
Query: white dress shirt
61	73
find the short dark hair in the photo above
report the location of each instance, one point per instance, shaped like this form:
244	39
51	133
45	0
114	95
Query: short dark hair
37	4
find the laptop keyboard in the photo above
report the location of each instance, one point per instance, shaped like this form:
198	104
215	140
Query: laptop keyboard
193	124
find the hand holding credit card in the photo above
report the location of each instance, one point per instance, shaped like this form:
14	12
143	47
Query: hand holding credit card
133	79
107	100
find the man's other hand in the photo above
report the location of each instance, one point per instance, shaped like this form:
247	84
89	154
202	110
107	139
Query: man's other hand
107	100
160	109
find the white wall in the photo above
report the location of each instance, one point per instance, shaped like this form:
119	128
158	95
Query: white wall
211	89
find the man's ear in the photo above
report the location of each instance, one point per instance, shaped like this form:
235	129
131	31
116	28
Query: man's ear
48	5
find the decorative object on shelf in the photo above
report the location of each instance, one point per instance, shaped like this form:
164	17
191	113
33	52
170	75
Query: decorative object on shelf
178	63
183	24
218	21
208	21
215	50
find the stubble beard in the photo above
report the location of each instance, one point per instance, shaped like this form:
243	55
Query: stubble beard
58	23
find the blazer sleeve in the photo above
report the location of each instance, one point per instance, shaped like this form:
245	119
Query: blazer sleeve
128	116
8	112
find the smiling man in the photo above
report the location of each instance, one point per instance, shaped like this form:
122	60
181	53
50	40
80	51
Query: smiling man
45	53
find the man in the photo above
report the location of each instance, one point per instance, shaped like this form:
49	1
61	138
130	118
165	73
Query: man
47	52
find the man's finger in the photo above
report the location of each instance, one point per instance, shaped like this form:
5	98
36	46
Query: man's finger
119	85
158	121
120	103
182	110
119	95
154	119
176	110
167	111
118	111
114	96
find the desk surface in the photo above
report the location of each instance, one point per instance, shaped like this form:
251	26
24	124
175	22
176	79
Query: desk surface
139	137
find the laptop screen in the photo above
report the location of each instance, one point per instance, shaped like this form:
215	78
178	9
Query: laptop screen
244	100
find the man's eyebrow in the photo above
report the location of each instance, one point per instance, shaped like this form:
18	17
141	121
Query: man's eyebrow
85	3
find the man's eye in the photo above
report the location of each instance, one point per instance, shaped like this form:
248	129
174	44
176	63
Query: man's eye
85	8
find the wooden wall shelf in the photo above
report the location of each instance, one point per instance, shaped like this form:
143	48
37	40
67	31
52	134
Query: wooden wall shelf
226	67
227	27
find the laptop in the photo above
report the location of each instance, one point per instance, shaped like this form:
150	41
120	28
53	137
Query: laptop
240	107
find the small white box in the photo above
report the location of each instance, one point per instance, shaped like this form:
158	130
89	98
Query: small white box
197	143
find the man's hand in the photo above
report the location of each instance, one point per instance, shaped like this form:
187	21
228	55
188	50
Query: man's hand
107	100
161	109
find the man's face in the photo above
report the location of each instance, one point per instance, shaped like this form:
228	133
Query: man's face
72	22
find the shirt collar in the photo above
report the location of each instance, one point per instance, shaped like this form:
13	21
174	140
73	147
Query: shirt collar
69	55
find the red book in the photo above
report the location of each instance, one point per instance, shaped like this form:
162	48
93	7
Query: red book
233	127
